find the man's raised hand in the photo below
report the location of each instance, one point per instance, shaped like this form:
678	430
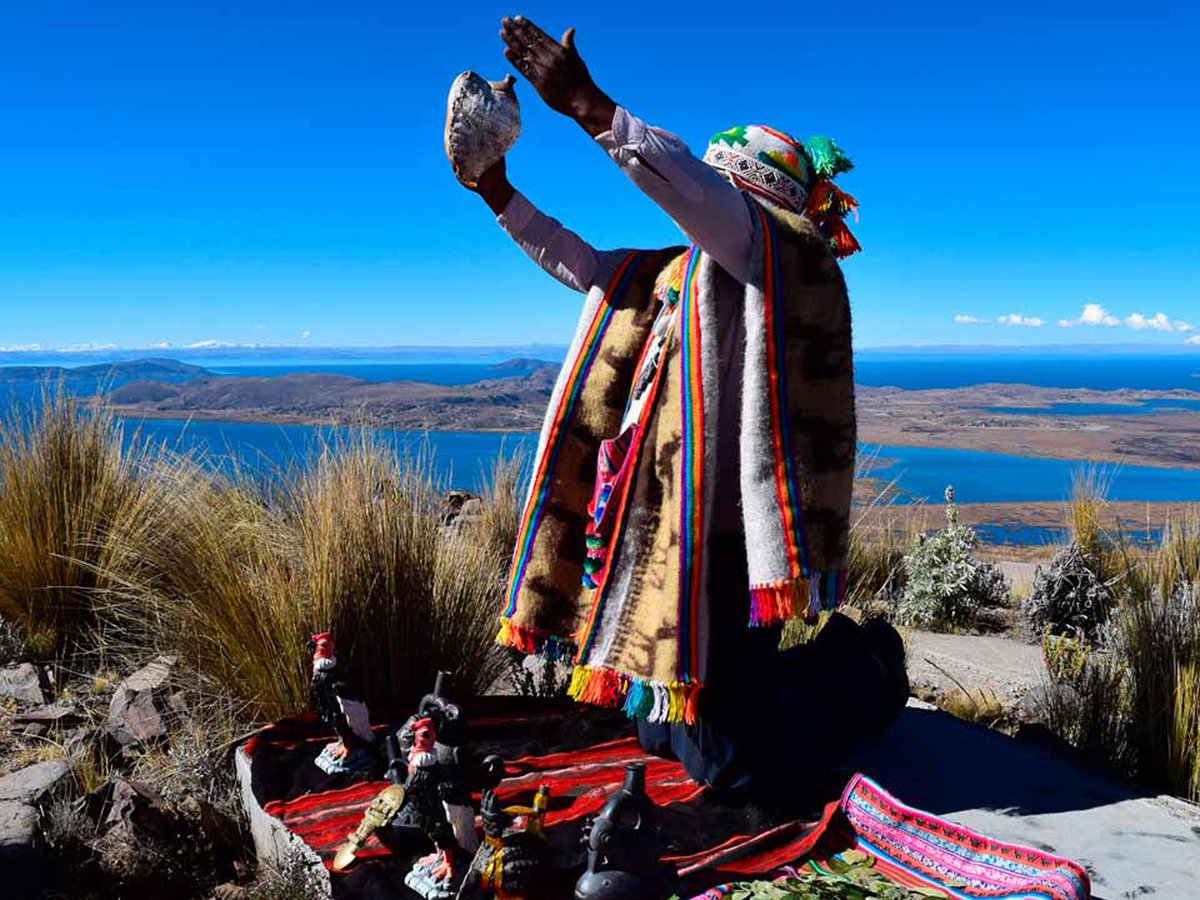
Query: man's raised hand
557	73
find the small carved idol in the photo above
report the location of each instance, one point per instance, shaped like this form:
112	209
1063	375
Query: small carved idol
340	705
625	848
437	799
514	862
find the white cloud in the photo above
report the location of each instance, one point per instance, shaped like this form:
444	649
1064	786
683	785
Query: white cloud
969	320
1183	326
1017	319
1194	339
1157	322
305	335
21	348
209	345
1093	314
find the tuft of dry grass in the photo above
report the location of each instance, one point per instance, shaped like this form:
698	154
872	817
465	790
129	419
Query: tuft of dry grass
1134	698
69	478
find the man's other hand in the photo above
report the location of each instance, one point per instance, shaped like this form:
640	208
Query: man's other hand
493	186
557	73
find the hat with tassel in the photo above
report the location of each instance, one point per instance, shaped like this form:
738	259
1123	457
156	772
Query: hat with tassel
797	176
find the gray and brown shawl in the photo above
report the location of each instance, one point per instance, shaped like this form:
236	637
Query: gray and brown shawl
638	639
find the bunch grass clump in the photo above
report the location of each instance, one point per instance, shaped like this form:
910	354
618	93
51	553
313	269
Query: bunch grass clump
117	549
1128	694
70	479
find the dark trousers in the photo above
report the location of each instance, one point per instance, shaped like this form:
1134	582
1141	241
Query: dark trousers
766	715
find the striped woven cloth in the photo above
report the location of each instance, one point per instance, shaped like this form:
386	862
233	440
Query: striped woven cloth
716	842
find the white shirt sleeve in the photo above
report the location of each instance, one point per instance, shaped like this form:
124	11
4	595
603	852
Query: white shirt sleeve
558	250
710	211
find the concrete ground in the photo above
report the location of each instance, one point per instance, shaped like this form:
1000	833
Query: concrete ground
1133	844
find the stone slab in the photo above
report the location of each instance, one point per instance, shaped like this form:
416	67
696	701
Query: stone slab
274	845
32	783
1134	843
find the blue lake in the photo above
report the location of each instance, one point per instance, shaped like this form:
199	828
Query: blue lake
1140	408
922	473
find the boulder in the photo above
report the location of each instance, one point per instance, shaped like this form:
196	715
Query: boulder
140	707
22	683
21	858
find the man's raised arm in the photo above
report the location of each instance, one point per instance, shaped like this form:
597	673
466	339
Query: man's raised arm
558	250
709	210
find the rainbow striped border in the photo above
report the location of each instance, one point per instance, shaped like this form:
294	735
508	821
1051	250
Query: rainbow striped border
586	637
691	507
786	490
540	490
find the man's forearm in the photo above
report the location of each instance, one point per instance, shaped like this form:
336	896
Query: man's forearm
593	110
496	190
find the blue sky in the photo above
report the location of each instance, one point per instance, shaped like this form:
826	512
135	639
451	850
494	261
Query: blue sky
257	171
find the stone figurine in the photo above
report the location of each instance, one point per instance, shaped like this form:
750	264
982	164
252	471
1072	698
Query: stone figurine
437	799
340	705
624	847
514	862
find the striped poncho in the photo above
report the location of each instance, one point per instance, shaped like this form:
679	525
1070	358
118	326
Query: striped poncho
638	638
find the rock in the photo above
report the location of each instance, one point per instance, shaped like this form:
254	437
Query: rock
218	831
140	705
18	825
78	744
31	784
57	713
23	684
229	891
131	805
36	730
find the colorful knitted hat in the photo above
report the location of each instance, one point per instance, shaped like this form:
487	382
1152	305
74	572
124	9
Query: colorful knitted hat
796	176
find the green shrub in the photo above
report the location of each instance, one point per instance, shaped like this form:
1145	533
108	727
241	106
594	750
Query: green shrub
944	583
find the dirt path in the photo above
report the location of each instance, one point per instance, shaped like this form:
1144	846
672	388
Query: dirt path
1007	666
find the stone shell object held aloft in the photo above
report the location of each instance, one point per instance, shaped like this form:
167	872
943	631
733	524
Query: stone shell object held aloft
483	120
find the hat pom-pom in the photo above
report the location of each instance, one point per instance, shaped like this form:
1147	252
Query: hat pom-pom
827	158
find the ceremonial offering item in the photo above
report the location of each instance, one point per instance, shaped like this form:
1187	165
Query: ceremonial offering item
483	120
624	847
437	801
381	811
514	861
340	705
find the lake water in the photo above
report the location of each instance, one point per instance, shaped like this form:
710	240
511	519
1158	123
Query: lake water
1141	408
873	368
921	473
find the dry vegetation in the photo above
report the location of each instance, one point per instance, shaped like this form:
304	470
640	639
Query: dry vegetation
113	547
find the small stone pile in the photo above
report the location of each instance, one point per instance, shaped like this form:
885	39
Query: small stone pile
122	833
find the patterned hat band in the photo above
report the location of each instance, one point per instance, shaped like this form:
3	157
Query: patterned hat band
796	176
758	177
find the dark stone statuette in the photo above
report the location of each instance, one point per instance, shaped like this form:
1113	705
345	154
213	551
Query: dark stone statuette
437	801
514	862
624	847
341	706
